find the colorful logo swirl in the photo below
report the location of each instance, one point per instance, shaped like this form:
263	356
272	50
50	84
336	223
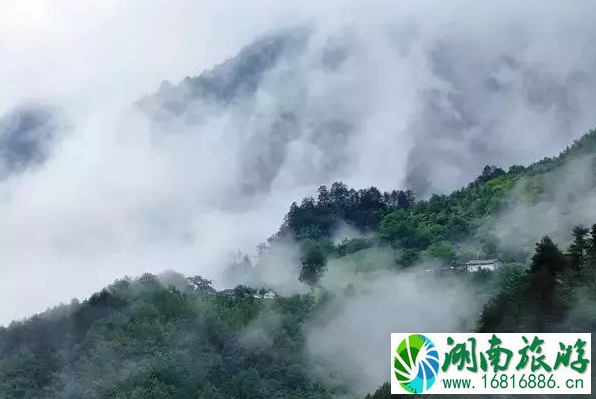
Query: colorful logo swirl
416	364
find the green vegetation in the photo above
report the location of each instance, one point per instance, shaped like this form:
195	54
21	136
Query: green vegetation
557	293
144	339
449	227
151	338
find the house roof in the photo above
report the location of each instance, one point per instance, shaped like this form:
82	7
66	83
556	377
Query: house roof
481	262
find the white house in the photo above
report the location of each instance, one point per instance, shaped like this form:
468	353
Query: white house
266	295
486	264
269	295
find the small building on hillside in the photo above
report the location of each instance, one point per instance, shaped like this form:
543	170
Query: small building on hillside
269	295
265	294
475	265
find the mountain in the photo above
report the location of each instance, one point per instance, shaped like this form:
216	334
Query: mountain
176	337
27	134
147	339
278	124
476	212
308	108
237	78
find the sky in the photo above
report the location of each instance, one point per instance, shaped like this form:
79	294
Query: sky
428	94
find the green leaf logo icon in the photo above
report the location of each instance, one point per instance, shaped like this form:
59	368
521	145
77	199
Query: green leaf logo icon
416	363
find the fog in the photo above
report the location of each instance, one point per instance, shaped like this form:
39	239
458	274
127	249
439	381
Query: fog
567	197
414	95
349	339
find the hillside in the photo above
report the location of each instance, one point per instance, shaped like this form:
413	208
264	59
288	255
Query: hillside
458	226
289	99
555	294
173	337
242	200
147	339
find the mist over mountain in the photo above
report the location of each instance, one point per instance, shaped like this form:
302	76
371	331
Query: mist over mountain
27	134
311	101
284	98
308	170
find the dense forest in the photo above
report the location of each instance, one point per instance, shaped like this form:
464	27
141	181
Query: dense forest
162	339
176	337
243	200
451	227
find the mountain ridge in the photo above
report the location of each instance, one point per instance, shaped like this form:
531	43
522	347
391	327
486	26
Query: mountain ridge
151	324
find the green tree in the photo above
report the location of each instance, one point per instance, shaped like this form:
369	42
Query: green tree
547	257
591	247
408	257
201	285
578	248
442	250
313	260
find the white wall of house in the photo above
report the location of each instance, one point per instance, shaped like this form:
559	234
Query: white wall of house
269	295
492	266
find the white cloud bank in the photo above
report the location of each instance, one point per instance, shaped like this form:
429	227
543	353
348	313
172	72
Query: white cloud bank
432	91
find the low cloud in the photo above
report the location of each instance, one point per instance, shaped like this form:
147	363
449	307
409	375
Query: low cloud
550	204
398	96
351	335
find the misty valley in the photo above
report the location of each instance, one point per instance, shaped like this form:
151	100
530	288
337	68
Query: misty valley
260	228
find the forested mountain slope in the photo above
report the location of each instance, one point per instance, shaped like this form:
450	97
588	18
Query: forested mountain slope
461	225
314	174
557	293
162	339
173	337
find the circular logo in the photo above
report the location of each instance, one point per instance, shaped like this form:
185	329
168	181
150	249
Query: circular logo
416	363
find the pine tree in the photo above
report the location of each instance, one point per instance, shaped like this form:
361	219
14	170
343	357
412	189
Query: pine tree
547	257
591	247
578	248
547	264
